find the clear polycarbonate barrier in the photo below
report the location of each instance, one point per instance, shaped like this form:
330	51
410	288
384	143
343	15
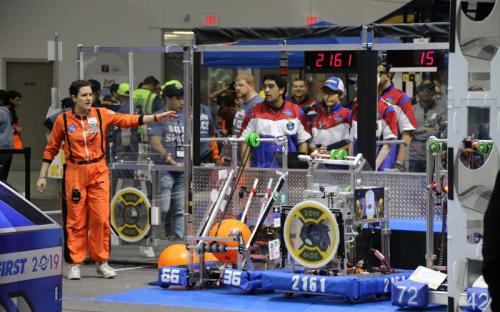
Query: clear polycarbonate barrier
107	68
425	87
146	163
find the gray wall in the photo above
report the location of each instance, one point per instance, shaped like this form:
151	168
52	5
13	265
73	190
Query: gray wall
27	25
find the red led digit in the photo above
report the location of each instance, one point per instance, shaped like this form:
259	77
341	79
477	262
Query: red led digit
337	62
427	58
430	58
331	59
319	60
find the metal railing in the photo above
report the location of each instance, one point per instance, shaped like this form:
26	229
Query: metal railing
27	166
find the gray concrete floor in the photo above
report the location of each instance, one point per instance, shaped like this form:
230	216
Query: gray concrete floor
77	294
131	275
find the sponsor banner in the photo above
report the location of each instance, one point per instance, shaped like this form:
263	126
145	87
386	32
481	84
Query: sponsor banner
27	265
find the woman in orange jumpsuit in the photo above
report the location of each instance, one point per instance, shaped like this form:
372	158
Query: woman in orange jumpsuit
86	178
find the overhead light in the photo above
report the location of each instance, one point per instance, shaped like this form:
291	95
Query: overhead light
183	32
170	36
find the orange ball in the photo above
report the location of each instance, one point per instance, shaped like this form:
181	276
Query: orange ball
226	227
177	255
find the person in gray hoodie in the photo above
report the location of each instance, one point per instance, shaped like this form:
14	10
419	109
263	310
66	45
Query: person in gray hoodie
6	134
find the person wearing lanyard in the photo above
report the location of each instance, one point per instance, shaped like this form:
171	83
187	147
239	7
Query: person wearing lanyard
167	139
86	176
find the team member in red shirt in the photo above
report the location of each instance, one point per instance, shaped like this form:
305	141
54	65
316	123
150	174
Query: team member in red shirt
387	129
401	102
300	95
275	118
304	100
330	129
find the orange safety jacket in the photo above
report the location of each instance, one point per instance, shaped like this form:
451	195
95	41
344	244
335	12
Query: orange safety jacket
85	136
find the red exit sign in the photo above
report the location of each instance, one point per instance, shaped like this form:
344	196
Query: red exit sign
311	20
210	20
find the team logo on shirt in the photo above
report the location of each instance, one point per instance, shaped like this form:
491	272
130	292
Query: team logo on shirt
290	125
71	128
93	128
204	123
378	131
390	100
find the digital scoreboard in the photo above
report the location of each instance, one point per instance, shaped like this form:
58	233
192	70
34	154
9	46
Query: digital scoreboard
331	61
415	58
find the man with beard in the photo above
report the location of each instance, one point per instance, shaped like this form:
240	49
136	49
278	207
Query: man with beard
430	113
245	91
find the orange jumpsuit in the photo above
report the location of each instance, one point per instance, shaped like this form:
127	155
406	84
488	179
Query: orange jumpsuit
86	221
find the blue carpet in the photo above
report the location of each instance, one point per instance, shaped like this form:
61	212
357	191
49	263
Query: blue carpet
235	300
413	225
